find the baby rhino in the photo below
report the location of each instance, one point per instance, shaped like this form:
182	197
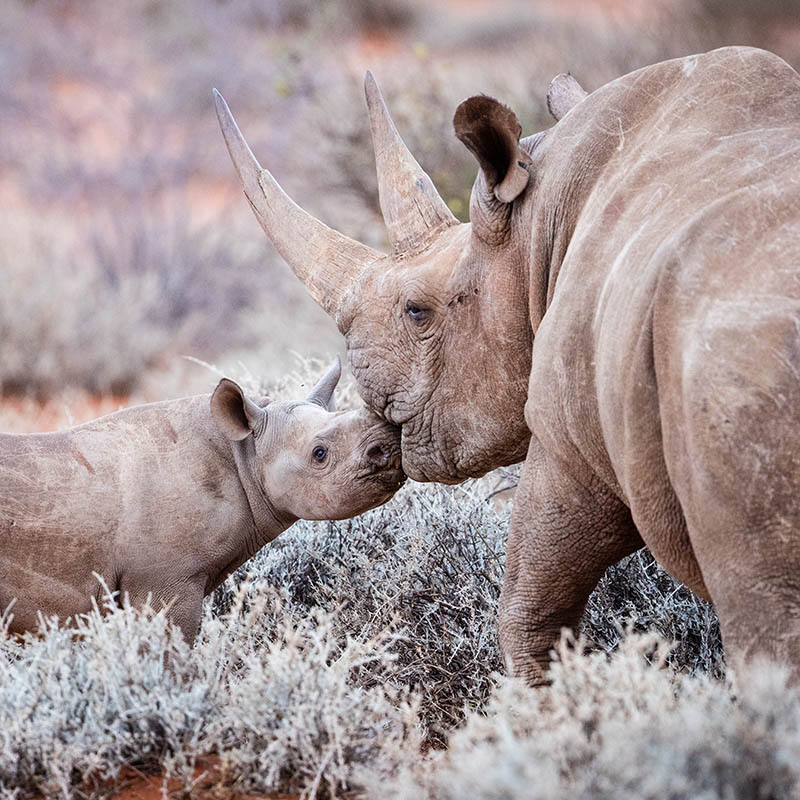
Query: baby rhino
168	498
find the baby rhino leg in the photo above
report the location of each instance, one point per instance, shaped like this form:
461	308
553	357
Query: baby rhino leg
182	599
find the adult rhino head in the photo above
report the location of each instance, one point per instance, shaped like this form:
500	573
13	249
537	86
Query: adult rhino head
438	332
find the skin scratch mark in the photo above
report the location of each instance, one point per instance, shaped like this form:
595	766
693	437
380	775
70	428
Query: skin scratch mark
618	261
173	436
81	459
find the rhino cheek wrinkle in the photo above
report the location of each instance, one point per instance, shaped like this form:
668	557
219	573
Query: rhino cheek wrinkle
631	333
167	499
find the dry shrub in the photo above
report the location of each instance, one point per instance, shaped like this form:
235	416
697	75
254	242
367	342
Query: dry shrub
100	318
317	716
637	594
625	726
383	642
112	168
431	562
111	154
279	705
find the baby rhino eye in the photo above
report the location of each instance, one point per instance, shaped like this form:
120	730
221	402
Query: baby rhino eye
319	453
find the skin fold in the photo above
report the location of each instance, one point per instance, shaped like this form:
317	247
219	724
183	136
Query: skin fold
167	499
622	311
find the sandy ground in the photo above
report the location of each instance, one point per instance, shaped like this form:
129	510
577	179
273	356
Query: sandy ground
133	785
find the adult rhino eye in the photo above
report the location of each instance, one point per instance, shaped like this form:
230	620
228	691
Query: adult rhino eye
319	454
416	313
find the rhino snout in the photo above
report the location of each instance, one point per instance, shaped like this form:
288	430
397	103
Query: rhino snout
383	456
386	459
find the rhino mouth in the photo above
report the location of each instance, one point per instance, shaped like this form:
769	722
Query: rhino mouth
383	464
394	478
384	482
428	459
428	474
392	474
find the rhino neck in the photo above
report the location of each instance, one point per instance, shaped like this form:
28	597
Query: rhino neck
268	521
574	157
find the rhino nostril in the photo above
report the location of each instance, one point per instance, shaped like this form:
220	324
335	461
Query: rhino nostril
378	455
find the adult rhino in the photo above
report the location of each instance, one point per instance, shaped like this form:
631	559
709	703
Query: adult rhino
624	306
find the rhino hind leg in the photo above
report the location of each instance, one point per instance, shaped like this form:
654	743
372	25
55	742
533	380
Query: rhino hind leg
760	618
736	465
566	530
748	547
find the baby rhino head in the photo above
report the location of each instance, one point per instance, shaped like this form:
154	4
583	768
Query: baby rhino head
311	461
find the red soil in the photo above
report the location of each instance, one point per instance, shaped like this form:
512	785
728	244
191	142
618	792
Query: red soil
29	415
208	784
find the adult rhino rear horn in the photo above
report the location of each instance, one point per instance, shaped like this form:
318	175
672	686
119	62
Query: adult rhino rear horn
326	261
412	208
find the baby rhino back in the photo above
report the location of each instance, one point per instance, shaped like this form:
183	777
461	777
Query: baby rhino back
89	502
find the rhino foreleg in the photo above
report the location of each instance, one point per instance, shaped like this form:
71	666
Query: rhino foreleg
187	612
566	529
183	600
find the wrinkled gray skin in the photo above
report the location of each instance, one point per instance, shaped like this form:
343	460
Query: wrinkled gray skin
167	499
624	307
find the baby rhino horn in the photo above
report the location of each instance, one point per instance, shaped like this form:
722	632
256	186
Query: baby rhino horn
322	393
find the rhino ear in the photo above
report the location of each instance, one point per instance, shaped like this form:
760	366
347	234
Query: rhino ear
491	132
563	95
322	393
235	415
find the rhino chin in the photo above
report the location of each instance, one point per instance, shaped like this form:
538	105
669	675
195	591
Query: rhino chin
425	469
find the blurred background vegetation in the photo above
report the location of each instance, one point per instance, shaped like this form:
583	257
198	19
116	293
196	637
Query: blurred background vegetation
125	242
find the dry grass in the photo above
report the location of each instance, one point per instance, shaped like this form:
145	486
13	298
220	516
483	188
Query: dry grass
621	727
280	704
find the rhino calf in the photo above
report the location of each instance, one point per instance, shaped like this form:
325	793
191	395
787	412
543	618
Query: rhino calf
169	498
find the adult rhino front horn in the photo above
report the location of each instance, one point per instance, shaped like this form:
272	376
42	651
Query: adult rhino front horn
327	262
624	306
